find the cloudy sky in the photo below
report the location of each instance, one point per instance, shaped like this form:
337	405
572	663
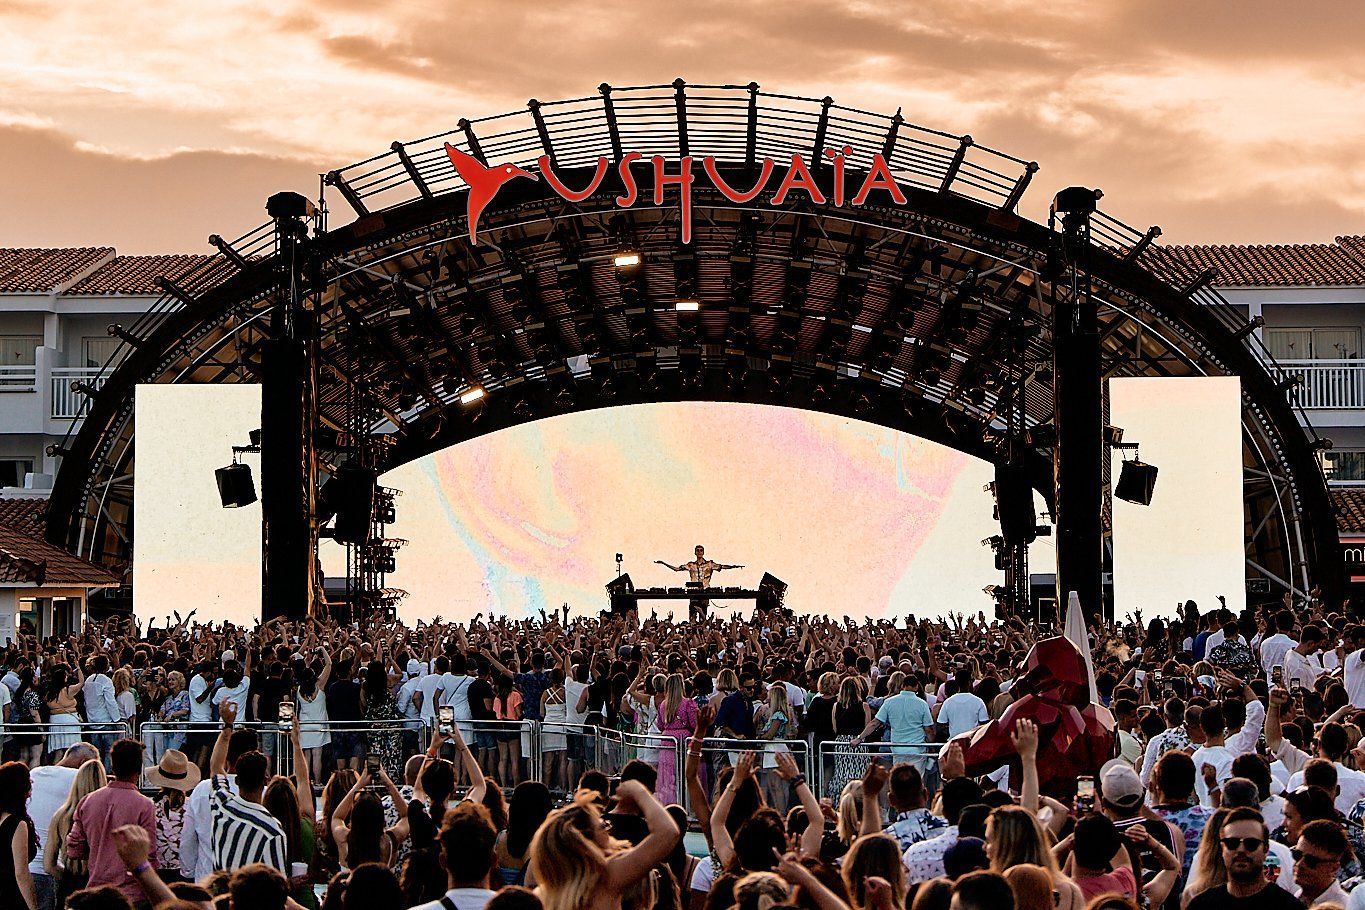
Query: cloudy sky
150	125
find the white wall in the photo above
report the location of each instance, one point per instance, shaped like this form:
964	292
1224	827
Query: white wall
1188	543
189	551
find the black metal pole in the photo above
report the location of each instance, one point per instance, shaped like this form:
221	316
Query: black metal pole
1078	458
288	550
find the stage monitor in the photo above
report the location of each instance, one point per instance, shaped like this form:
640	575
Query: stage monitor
189	551
1188	543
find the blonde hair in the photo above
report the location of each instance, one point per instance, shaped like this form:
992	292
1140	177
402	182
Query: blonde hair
727	680
89	778
1017	838
566	862
894	683
850	811
673	696
1208	869
850	691
777	701
172	676
123	680
828	684
874	855
760	890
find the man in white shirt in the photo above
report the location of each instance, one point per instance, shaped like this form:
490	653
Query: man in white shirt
236	688
1301	668
51	784
199	741
963	710
1332	746
429	691
100	705
196	836
1273	648
467	839
1353	663
1212	761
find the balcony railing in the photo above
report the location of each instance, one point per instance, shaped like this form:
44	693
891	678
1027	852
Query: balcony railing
1328	383
18	378
66	402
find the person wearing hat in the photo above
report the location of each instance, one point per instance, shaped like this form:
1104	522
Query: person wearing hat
1121	801
175	776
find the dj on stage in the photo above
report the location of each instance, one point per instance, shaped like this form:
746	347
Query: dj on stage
699	572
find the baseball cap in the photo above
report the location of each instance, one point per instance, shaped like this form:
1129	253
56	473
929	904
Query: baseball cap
228	655
1120	784
414	666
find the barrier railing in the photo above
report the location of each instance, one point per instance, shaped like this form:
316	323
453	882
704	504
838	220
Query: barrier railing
720	753
841	762
57	735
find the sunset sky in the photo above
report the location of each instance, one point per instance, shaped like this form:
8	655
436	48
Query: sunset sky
148	126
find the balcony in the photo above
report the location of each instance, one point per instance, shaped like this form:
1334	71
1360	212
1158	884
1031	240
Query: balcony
1328	383
66	402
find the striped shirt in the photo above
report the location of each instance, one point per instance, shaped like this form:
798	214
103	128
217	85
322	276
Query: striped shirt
244	832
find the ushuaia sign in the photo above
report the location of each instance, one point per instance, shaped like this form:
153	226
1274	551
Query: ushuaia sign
485	180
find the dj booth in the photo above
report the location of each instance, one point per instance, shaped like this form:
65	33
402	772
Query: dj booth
624	596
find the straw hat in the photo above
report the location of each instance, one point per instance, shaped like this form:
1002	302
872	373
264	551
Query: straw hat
175	772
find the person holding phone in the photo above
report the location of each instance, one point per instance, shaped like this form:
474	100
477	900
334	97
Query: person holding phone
358	823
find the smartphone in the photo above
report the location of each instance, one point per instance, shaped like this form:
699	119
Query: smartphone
1085	793
373	763
445	719
1156	679
1277	676
1297	691
286	714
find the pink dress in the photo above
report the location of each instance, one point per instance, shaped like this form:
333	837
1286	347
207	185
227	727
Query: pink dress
680	728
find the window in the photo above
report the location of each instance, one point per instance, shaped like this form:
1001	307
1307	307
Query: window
19	350
12	471
96	350
1344	466
1325	343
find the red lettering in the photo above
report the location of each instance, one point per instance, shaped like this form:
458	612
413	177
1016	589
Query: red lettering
558	185
709	165
798	178
839	163
632	192
683	180
879	178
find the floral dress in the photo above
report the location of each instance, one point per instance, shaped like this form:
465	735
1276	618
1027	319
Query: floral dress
169	825
387	741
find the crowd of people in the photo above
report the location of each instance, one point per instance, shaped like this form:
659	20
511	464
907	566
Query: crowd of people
647	763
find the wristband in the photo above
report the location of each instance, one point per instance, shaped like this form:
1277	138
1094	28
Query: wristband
142	867
798	780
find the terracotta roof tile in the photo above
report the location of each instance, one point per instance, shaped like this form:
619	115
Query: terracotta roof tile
1280	265
26	558
1350	506
37	271
138	274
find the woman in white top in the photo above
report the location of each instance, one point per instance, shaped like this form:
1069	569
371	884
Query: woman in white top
123	695
312	708
553	742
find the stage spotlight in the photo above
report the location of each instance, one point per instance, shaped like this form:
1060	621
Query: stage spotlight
1136	483
687	306
626	259
472	394
235	486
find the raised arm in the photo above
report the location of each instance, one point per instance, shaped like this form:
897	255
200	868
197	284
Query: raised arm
303	781
874	780
696	793
134	847
477	784
1025	738
629	866
720	835
218	761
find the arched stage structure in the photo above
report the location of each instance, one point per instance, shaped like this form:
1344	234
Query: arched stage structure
395	335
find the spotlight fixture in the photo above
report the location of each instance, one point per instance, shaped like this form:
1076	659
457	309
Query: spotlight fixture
687	306
472	394
626	259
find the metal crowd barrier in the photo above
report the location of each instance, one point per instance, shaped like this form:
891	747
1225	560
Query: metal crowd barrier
841	762
61	735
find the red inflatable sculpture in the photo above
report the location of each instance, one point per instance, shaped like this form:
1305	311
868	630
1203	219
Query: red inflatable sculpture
1075	735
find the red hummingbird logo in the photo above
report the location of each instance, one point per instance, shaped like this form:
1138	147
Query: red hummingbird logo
484	183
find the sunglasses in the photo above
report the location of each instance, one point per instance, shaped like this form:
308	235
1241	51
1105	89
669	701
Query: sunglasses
1309	860
1249	844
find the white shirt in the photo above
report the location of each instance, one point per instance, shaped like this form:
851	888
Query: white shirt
1354	678
51	786
196	837
1298	668
1273	650
405	705
456	694
1350	783
796	696
200	711
5	699
1333	895
11	681
1272	810
427	687
100	705
962	712
462	898
1244	740
1221	760
237	695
